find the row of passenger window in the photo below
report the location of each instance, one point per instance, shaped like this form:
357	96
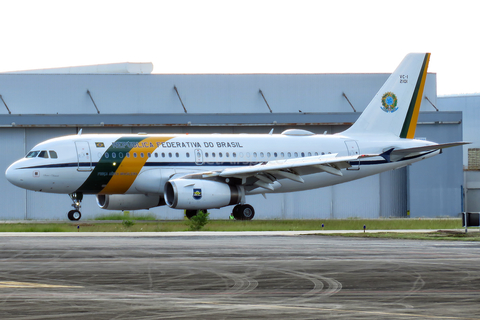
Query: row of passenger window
262	155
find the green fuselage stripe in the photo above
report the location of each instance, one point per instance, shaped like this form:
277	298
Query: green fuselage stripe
106	167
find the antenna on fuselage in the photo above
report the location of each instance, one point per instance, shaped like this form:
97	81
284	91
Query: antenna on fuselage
80	132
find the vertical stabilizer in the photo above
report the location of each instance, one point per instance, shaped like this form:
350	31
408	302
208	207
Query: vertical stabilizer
394	109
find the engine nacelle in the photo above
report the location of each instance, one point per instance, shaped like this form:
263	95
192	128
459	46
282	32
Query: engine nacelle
200	194
128	201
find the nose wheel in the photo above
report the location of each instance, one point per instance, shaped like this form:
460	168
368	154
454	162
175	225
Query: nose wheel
75	215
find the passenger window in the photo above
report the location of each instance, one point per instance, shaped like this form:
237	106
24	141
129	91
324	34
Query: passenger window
227	155
169	154
289	155
134	154
220	154
107	155
206	154
309	154
213	154
163	154
53	154
296	154
43	154
177	154
275	154
156	155
254	154
261	154
303	154
128	155
268	154
149	154
141	154
234	154
188	155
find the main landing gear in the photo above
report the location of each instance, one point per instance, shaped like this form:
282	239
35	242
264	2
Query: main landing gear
243	212
75	215
240	212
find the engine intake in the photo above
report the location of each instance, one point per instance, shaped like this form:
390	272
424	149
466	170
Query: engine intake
200	194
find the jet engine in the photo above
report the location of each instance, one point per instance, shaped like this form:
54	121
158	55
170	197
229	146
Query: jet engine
128	201
201	194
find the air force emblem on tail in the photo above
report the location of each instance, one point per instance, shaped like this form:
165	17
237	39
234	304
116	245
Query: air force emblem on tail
389	102
197	193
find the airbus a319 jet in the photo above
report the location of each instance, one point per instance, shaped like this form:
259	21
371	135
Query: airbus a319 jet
196	172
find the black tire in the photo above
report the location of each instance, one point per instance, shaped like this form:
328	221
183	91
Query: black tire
190	213
243	212
74	215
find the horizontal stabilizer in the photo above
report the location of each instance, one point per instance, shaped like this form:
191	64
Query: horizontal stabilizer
398	152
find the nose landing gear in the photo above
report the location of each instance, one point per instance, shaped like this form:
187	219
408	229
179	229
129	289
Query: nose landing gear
75	215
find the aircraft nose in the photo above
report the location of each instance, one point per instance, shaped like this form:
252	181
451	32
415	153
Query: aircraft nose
13	175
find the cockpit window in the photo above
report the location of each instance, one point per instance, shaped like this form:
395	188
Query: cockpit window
43	154
53	154
32	154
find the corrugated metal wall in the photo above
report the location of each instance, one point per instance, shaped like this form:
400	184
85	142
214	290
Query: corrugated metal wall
12	144
469	104
131	94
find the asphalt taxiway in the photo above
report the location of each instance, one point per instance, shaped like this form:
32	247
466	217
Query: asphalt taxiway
236	276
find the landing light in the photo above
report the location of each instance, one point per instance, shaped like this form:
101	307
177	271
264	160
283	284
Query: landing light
114	164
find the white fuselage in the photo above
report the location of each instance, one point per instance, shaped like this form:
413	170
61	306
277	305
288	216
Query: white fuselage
142	164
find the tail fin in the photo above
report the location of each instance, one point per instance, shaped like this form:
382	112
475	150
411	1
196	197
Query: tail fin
394	109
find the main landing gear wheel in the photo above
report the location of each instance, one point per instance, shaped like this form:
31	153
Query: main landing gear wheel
75	215
243	212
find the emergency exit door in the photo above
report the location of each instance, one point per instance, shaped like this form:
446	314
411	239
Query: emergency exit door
353	150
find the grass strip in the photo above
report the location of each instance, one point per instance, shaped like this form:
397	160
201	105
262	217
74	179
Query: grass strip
232	225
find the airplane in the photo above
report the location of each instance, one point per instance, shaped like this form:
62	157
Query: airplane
196	172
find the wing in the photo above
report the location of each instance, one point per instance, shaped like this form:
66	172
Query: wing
264	174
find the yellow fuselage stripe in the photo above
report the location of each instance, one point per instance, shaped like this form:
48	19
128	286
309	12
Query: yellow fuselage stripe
131	165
